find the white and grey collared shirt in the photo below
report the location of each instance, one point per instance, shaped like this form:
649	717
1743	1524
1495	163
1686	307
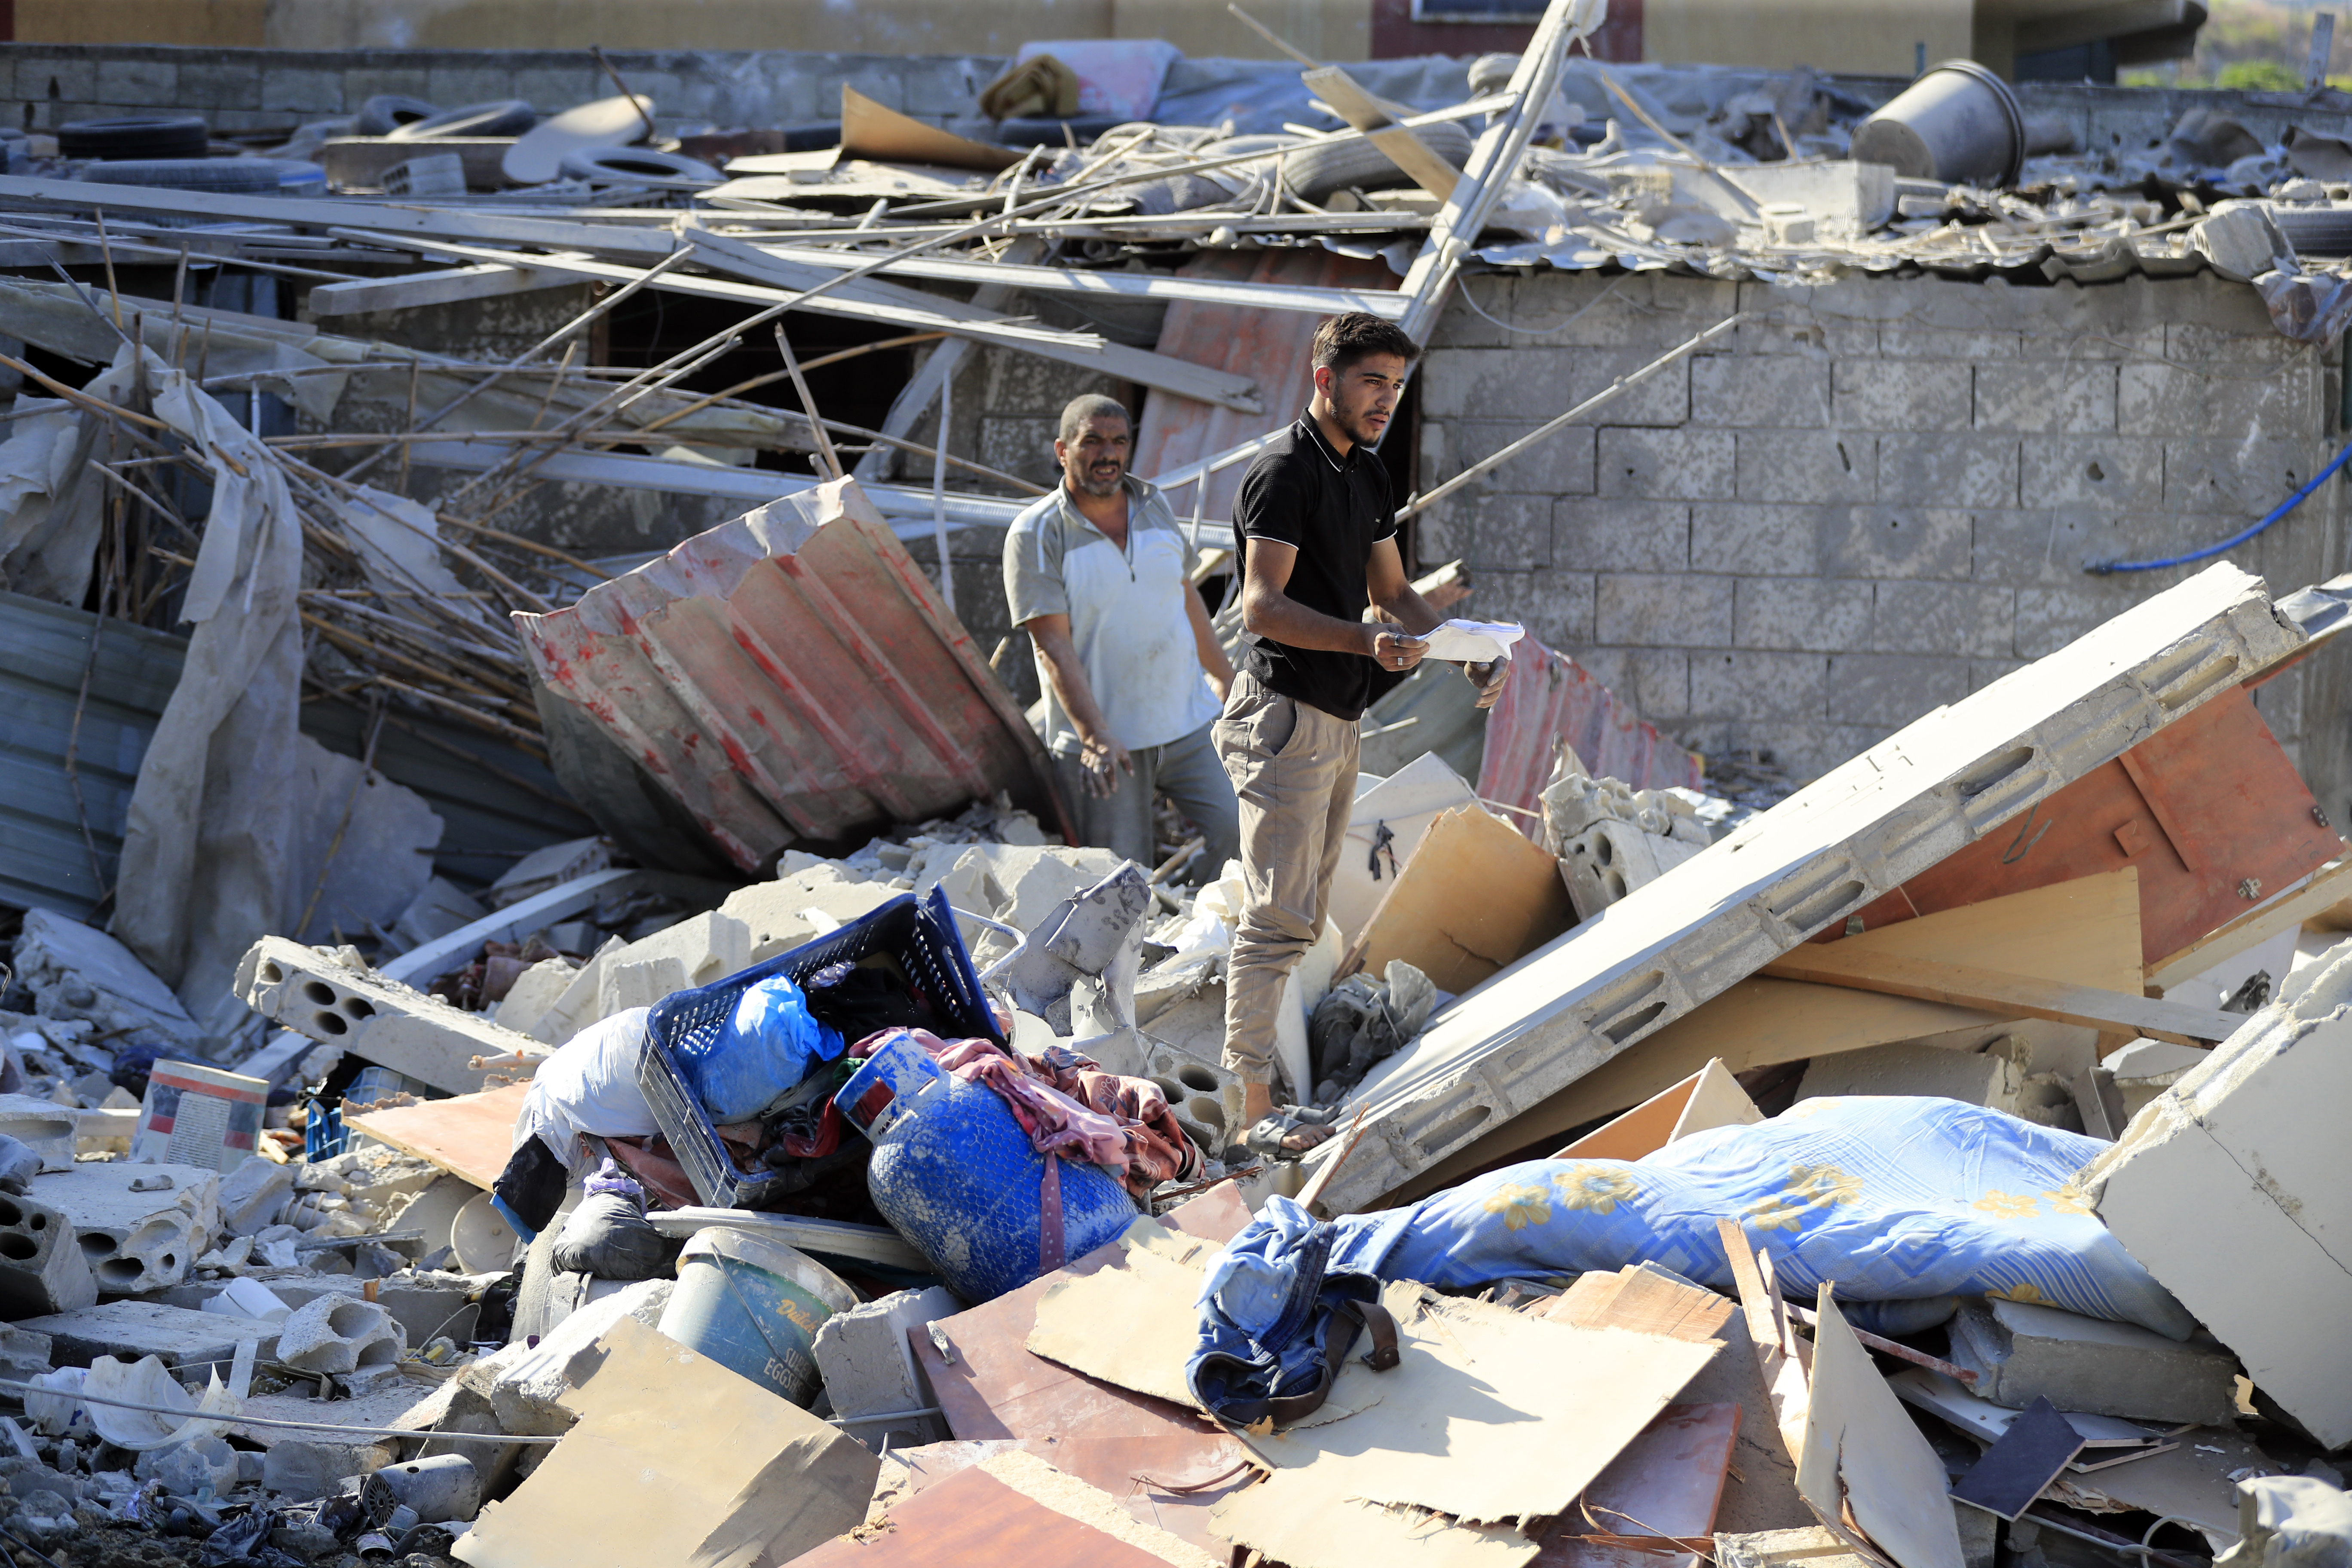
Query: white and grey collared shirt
1127	617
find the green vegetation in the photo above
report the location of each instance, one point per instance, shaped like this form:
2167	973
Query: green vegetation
2250	45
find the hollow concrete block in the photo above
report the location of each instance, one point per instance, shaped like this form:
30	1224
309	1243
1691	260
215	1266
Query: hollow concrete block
340	1334
42	1269
315	992
870	1372
138	1225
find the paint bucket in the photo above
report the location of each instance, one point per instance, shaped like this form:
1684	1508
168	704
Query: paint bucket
754	1306
1959	123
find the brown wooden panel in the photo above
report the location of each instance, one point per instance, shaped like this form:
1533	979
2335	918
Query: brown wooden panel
2216	804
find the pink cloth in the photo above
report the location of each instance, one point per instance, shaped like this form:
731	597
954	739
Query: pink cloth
1069	1106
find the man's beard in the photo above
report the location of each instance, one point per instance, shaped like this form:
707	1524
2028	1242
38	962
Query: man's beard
1098	488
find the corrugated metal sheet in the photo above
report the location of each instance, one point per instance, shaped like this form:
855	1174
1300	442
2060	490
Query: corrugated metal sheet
44	649
792	674
1270	346
496	801
1551	697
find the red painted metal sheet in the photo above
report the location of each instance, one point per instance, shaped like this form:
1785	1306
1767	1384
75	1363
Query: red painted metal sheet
1664	1487
793	675
1270	347
973	1517
2204	807
995	1388
1171	1483
1551	697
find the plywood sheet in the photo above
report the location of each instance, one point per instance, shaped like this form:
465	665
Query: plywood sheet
1666	1484
1709	1098
2085	931
1488	1415
1475	896
1642	1303
1863	1455
468	1135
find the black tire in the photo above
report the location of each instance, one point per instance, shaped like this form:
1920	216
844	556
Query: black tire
388	111
136	136
1321	168
507	117
227	176
633	165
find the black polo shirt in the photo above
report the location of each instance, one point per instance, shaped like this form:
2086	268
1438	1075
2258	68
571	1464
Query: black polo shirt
1332	510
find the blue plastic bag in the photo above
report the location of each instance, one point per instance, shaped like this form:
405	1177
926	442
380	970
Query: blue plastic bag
768	1043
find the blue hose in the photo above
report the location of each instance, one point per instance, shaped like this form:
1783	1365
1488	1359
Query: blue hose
2102	568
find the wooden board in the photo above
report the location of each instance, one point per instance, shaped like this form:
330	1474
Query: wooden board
2005	992
1710	1097
972	1517
2086	931
1864	1458
1645	1303
2200	807
1666	1484
2311	901
1476	895
468	1135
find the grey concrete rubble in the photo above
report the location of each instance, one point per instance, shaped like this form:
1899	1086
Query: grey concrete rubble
871	1376
2020	1353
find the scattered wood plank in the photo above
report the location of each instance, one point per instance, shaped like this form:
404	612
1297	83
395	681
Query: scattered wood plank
2000	991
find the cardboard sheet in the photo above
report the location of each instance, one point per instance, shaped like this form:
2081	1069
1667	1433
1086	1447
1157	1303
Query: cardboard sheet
1475	896
1305	1519
1666	1485
1489	1416
868	129
751	1478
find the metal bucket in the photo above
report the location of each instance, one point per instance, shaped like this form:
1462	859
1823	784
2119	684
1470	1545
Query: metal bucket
1959	123
754	1306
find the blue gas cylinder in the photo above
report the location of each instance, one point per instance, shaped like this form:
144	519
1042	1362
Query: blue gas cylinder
957	1176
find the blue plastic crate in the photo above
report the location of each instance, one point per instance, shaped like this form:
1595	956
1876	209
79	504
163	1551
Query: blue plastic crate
920	933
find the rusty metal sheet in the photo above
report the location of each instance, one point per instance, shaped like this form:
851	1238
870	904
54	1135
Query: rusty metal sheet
1551	697
995	1388
793	675
971	1517
1170	1483
1268	346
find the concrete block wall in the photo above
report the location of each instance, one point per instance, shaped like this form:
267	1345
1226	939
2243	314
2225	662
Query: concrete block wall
45	85
1877	496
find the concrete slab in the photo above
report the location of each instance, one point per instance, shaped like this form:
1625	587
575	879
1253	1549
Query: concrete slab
129	1329
140	1226
2234	1188
1938	785
314	991
2021	1351
76	971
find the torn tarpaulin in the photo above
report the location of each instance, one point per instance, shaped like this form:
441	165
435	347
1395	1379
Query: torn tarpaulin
2310	308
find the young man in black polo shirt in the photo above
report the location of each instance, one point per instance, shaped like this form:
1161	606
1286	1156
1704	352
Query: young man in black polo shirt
1317	535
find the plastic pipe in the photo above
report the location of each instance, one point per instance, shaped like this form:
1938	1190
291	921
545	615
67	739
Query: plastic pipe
2102	568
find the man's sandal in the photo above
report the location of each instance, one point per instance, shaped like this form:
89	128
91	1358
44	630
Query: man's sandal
1265	1140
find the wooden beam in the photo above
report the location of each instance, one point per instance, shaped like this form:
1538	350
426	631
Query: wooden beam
2330	885
1403	147
441	286
1999	991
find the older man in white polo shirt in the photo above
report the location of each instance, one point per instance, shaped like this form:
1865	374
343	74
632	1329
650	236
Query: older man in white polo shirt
1099	573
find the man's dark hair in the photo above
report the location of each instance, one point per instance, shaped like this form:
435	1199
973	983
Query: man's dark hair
1090	405
1341	340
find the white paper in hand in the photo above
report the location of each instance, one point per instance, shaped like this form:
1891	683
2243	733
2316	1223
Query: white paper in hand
1474	642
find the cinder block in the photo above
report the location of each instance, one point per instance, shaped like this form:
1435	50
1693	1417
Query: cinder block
1558	607
1892	689
42	1269
1801	613
1560	464
364	83
1751	686
1545	381
138	1225
1671	611
313	991
1901	394
1805	466
1983	672
2234	1187
1945	618
869	1370
1686	464
1500	532
339	1333
60	79
128	1331
2232	478
2050	546
2037	397
219	84
1620	535
2021	1351
1881	540
310	1467
1911	341
2049	619
1784	391
302	90
139	84
1948	470
1656	681
455	86
2106	473
526	1391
